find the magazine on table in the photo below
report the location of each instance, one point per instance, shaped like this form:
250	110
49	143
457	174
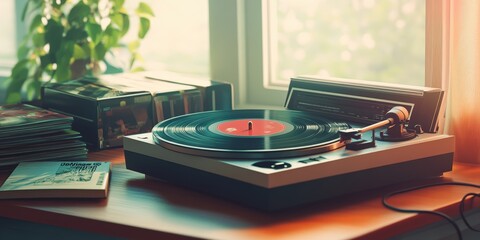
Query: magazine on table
57	179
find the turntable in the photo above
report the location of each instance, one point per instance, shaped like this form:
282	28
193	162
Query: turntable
277	159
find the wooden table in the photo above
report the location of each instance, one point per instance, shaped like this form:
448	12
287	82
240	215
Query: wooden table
144	208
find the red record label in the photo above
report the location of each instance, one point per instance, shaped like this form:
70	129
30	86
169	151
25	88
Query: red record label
251	127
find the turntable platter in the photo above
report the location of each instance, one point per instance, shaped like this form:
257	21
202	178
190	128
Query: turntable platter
249	134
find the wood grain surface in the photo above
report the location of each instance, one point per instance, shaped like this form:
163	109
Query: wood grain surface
142	208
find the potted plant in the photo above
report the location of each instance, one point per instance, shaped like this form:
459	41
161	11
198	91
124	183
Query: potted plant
67	39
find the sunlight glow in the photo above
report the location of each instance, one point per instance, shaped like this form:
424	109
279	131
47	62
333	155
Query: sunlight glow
357	39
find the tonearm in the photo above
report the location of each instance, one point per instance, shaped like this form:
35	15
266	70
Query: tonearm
395	119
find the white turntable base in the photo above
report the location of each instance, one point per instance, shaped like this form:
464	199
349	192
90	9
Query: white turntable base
329	174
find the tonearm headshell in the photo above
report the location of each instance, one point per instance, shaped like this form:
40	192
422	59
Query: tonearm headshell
395	120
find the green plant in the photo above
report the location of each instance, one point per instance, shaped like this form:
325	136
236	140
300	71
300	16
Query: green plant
67	39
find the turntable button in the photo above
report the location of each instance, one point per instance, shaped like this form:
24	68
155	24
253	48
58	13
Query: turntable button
311	159
272	164
307	161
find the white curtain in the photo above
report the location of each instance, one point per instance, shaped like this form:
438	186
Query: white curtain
463	78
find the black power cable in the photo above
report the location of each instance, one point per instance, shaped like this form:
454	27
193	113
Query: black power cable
462	210
436	213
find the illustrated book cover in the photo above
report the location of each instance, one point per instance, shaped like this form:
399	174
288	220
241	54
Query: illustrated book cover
82	179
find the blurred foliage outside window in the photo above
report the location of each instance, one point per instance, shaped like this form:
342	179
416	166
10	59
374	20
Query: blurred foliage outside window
376	40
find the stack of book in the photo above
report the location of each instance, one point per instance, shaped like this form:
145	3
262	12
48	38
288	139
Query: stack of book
30	133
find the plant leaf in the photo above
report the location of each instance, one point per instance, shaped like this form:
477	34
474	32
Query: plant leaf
16	80
38	39
79	52
13	97
117	21
22	51
63	72
118	4
77	15
126	24
144	27
144	10
133	45
19	73
99	52
76	34
110	37
53	36
36	22
94	30
45	61
33	89
137	69
37	6
58	3
64	56
24	12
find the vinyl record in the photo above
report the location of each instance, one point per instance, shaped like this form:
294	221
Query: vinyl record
249	134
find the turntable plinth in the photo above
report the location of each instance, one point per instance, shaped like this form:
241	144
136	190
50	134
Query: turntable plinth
309	178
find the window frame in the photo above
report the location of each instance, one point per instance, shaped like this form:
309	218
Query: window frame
241	58
7	64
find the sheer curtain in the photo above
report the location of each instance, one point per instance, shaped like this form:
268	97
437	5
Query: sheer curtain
462	63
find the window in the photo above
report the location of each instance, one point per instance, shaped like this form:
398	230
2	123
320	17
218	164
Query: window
178	37
227	40
8	38
264	83
178	40
357	39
